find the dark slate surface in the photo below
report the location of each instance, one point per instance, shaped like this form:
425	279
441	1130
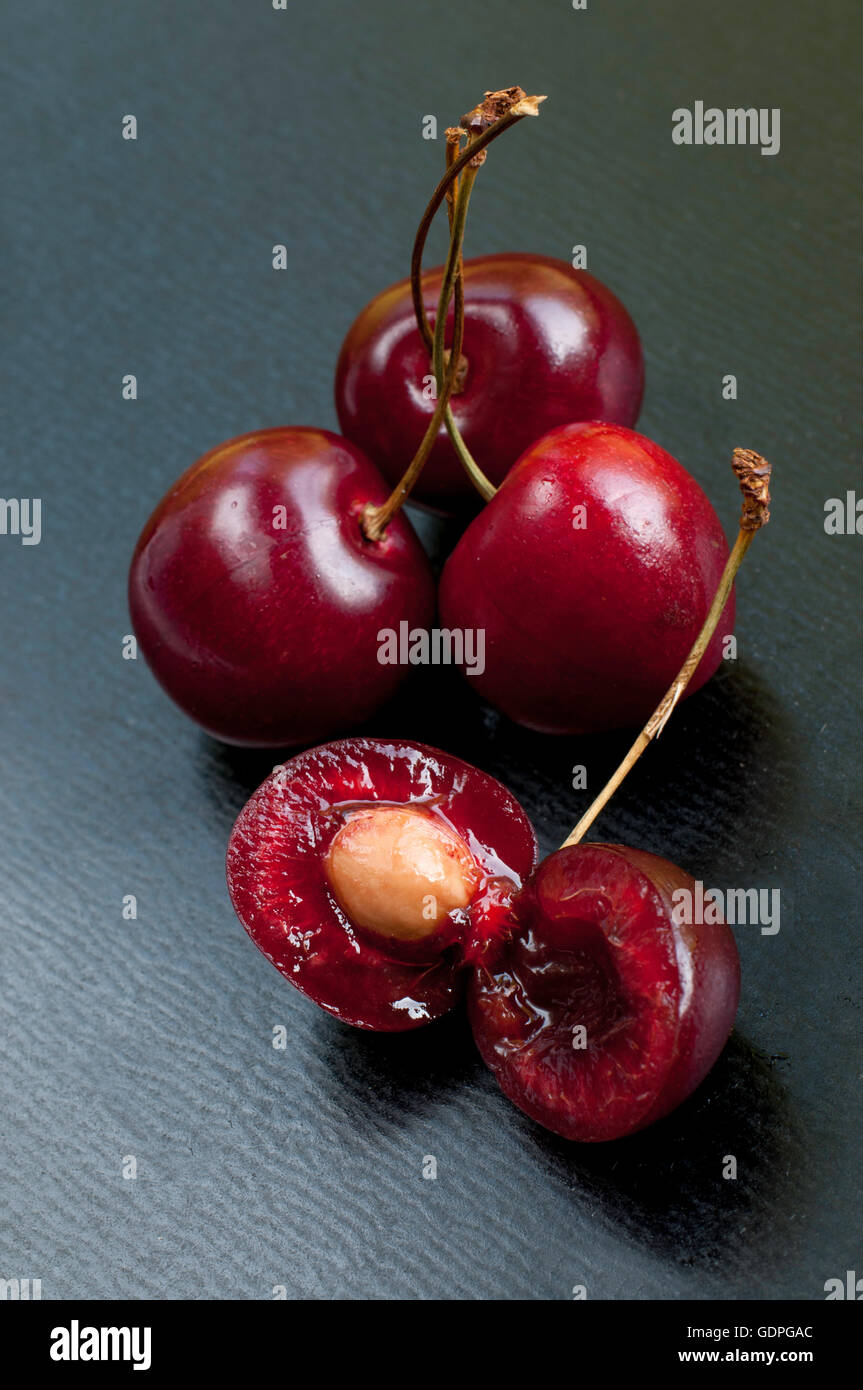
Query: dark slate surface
153	1038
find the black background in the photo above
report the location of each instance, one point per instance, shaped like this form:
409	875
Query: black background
152	1038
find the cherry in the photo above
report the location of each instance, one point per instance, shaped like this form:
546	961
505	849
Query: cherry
262	585
601	1012
374	874
590	571
256	595
370	871
544	345
607	1002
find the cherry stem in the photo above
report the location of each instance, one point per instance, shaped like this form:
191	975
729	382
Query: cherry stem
483	485
515	105
454	138
375	520
473	148
753	473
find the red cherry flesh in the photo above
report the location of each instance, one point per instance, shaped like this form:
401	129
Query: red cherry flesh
596	946
257	600
586	626
377	926
545	345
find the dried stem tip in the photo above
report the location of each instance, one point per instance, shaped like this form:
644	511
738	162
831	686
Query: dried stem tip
512	101
753	474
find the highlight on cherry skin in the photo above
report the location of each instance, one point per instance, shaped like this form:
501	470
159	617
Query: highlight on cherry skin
591	572
600	1012
256	597
370	872
544	345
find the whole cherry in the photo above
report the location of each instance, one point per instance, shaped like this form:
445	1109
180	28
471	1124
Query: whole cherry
590	571
263	584
257	596
544	344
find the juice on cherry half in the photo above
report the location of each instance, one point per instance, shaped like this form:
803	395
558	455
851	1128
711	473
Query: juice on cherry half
256	598
600	1012
591	571
364	868
544	345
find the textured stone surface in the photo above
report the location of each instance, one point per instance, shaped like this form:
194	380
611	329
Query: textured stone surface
152	1038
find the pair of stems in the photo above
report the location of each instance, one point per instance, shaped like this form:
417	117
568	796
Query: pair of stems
455	186
376	519
484	487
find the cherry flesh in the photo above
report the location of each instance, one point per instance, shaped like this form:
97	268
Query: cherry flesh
544	345
591	572
364	870
256	598
600	1013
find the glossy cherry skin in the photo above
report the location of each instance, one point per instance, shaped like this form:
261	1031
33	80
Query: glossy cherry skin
281	892
256	598
586	625
599	943
545	345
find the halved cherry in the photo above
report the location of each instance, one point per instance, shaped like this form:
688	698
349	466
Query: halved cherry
354	868
602	1012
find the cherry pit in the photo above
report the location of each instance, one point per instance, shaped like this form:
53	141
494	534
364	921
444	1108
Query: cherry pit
392	882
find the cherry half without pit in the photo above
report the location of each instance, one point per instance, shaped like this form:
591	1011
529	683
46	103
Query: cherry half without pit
601	1012
376	875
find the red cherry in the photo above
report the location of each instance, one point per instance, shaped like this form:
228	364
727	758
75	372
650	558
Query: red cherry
544	345
601	1013
354	868
257	599
587	624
